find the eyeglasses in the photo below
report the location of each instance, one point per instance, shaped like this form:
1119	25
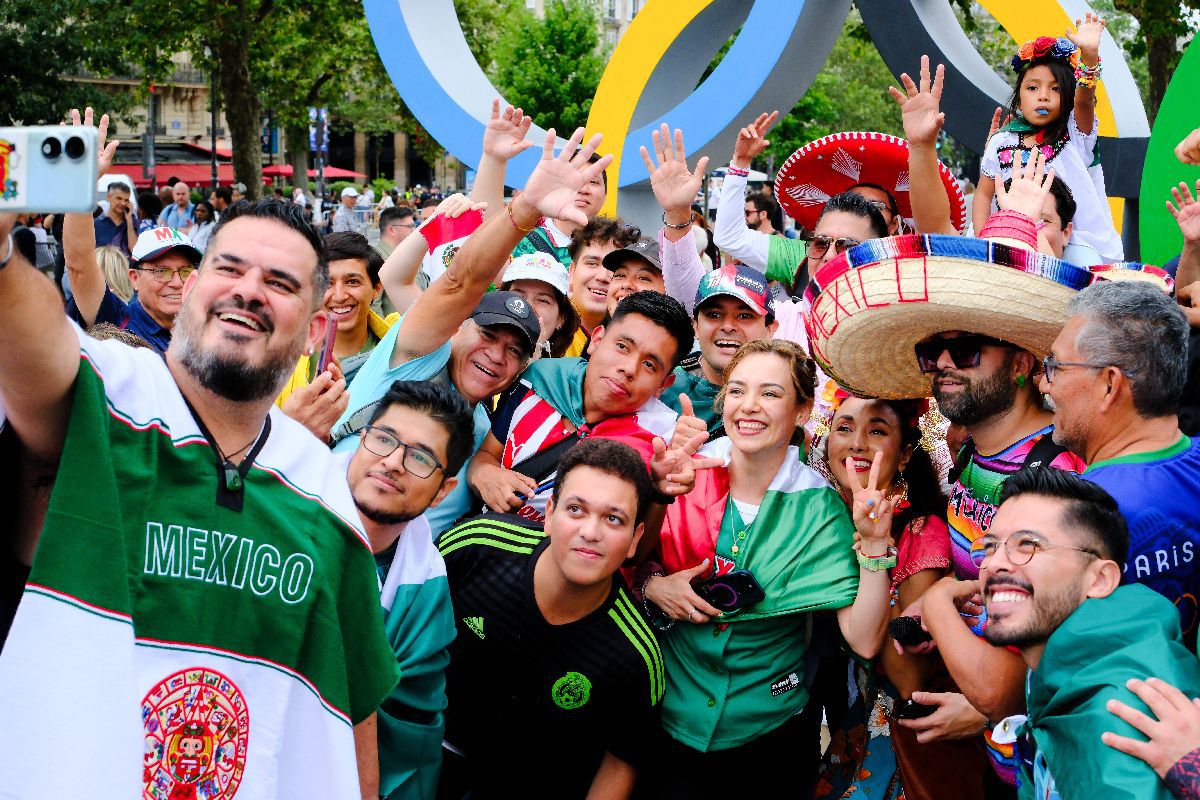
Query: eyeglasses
1019	548
884	208
421	463
412	225
1051	365
817	245
965	351
164	274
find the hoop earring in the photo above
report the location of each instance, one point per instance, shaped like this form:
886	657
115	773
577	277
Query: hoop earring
900	489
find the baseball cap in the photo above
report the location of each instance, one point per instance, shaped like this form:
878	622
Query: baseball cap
740	281
349	191
508	308
156	241
537	267
643	248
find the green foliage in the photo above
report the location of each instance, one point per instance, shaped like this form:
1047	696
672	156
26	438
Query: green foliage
483	22
382	186
551	66
41	41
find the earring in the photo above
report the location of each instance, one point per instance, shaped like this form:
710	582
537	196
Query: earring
900	490
1021	381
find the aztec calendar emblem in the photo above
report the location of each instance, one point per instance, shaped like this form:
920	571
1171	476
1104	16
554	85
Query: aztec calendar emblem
197	726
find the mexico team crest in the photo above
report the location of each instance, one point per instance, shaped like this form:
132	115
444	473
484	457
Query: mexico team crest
197	726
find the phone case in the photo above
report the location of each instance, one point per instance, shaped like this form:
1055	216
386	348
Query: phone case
32	181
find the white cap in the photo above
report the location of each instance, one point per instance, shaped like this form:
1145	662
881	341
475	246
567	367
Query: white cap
156	241
537	267
349	191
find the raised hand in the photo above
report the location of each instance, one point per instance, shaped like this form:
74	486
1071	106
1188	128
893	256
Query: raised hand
750	142
872	511
104	152
674	470
673	184
552	187
1000	119
676	597
1087	37
504	135
1188	151
1186	211
920	105
1029	188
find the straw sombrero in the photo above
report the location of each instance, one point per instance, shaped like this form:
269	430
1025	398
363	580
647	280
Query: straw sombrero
832	164
1135	271
870	306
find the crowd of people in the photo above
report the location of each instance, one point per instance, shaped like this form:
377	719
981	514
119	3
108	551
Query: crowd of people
522	501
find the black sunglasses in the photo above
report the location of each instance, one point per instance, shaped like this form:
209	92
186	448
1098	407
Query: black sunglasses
965	351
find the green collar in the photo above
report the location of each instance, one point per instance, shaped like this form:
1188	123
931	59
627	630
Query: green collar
1144	458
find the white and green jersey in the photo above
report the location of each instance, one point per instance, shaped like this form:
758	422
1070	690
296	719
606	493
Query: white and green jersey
169	647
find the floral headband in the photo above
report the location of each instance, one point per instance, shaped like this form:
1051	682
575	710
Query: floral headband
1061	48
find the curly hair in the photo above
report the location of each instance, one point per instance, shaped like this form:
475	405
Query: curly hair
603	229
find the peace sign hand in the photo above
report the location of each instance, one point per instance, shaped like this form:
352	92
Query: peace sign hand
750	142
872	511
104	150
674	470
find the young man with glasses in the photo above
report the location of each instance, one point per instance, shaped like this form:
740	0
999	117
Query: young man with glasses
395	225
1050	575
162	260
1116	375
407	458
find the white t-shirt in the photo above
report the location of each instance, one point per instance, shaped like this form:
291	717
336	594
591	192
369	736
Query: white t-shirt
1093	219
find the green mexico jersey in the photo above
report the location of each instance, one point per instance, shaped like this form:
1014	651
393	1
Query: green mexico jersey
188	649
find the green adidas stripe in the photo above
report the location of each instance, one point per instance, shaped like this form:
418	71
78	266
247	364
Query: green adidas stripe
523	549
450	541
653	658
643	630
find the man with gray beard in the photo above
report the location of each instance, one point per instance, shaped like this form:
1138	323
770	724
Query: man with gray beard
198	596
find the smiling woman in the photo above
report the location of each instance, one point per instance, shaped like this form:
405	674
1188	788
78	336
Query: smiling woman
785	543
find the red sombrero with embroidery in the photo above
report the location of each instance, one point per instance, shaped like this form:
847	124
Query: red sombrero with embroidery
1135	271
834	163
870	306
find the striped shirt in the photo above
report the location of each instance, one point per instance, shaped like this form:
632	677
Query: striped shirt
520	687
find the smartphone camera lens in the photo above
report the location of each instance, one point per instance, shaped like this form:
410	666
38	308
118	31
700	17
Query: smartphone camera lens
51	147
75	147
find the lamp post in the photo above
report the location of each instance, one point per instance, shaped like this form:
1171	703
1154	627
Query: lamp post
212	105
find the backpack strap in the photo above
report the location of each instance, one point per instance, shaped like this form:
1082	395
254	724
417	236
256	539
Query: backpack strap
964	458
1043	453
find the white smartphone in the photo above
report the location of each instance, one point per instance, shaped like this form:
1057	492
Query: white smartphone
48	168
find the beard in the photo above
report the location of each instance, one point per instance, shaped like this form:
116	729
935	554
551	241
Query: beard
976	402
222	370
381	517
1046	615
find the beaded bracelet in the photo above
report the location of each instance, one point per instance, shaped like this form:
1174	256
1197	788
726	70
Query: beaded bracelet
1087	76
741	173
878	563
1007	224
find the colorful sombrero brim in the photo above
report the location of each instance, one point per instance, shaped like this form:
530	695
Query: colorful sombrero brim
869	307
832	164
1135	271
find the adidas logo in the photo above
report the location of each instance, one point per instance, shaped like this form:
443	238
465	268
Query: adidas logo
475	624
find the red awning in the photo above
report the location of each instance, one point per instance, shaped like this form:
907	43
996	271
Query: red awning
191	174
285	171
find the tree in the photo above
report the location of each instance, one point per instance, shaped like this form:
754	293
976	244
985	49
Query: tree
483	22
41	43
1163	23
551	66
